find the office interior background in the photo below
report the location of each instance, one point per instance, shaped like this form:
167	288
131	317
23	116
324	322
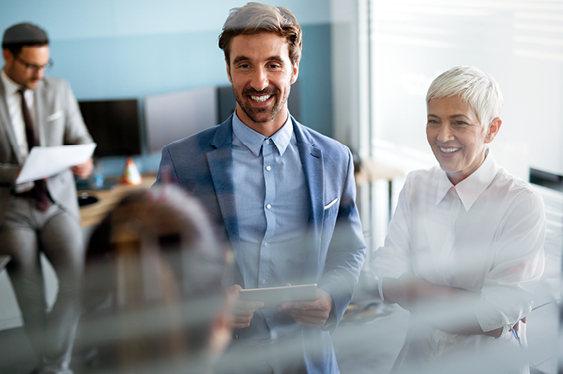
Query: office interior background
363	77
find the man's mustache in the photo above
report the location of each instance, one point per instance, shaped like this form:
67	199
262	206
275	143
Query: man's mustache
266	91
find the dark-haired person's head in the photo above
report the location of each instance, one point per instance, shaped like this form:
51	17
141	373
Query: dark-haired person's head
155	259
25	49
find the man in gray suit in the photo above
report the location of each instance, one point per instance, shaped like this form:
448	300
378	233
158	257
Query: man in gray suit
40	216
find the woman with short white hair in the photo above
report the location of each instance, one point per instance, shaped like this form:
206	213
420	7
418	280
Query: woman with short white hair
464	250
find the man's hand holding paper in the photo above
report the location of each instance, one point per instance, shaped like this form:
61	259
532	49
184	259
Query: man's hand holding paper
44	162
84	169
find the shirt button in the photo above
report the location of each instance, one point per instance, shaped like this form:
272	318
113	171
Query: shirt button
268	168
266	244
269	206
263	281
267	141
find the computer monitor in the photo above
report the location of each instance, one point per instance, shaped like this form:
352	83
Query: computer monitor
174	116
114	126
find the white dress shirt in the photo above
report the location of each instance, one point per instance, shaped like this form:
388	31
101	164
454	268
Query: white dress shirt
13	99
483	235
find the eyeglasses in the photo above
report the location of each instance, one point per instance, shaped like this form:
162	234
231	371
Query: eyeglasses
35	68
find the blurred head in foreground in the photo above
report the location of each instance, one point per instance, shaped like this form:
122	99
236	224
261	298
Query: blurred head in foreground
155	260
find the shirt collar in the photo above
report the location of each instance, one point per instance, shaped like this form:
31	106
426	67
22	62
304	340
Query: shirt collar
253	140
444	184
471	187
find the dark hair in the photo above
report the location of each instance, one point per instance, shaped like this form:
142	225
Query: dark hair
162	236
254	18
22	35
16	48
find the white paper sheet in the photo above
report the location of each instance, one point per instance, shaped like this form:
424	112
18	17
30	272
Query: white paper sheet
43	162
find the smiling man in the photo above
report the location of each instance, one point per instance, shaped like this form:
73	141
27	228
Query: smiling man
40	216
262	73
282	194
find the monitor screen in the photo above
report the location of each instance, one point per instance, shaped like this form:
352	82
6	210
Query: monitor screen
177	115
114	126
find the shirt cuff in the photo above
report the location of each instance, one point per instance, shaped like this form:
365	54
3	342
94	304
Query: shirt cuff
380	282
505	330
23	187
330	323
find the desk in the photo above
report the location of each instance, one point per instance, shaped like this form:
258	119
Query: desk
372	170
107	199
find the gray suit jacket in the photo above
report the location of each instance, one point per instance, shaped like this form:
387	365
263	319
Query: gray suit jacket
59	122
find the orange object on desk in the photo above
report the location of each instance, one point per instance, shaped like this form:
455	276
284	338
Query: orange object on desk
131	174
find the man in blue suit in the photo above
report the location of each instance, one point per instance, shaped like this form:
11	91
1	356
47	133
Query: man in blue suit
282	194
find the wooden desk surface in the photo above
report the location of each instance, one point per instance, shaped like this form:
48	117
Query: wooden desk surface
94	213
373	170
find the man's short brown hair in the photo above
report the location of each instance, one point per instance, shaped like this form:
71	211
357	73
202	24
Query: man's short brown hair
254	18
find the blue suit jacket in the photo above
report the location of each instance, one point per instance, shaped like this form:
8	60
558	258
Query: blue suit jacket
203	165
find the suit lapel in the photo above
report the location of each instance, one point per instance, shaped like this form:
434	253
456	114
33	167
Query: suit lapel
312	160
220	161
6	124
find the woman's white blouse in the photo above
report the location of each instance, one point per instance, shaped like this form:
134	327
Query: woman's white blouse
484	234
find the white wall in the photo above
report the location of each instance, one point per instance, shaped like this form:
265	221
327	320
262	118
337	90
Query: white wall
519	43
346	72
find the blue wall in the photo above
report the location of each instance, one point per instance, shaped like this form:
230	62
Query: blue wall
82	19
133	48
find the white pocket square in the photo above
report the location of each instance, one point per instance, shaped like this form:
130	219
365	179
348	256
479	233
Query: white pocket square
330	204
54	116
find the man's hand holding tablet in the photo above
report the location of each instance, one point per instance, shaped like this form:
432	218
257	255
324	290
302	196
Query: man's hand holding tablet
241	311
306	304
312	314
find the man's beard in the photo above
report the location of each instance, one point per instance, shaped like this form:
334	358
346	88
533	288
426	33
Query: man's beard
260	115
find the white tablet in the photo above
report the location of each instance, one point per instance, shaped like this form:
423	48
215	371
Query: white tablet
272	297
